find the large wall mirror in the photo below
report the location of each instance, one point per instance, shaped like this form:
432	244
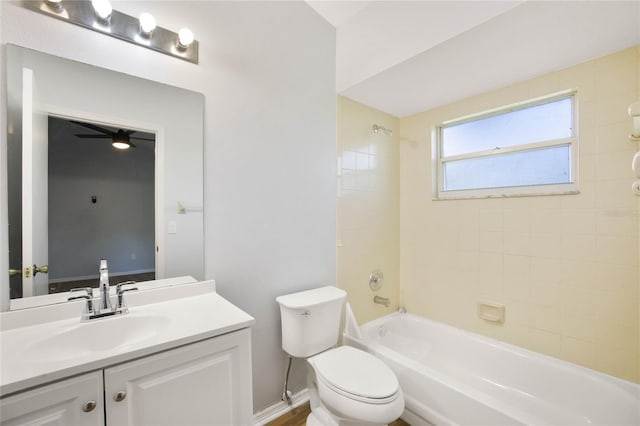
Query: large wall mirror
74	198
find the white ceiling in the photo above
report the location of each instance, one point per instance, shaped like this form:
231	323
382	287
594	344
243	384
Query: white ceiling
403	57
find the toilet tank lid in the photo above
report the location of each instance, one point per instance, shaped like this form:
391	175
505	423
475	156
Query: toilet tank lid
313	297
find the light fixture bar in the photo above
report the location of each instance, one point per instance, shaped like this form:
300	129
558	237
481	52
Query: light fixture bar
120	25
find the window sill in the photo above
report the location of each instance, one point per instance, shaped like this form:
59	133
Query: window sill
509	192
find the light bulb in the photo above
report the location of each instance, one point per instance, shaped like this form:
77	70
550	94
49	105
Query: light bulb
103	9
120	145
147	23
55	5
185	38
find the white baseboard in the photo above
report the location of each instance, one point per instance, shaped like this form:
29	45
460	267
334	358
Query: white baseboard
280	408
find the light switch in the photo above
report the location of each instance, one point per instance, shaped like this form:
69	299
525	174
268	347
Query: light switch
172	227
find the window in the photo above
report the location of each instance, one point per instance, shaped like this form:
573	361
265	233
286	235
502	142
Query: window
524	149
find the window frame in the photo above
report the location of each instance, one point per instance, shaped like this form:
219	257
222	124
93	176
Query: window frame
438	160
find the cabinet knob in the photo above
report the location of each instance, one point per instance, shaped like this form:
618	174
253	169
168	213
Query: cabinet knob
88	406
119	396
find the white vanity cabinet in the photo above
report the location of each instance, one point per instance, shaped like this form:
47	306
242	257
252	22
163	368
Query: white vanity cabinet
72	402
202	383
205	383
181	356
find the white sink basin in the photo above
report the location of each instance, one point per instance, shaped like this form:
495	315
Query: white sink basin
98	335
49	343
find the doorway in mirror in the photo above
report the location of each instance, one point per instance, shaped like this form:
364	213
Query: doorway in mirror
100	203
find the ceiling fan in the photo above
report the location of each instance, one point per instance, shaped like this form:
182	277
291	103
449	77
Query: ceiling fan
120	139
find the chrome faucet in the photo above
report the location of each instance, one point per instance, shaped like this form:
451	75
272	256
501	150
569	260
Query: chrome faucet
104	309
89	309
105	301
382	301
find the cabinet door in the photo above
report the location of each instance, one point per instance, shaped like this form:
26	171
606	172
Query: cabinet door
204	383
71	402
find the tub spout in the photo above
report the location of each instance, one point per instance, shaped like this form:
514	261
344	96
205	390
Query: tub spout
382	301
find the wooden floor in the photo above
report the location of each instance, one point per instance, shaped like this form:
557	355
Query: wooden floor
298	417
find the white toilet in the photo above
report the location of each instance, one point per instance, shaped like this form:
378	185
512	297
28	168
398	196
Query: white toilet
347	386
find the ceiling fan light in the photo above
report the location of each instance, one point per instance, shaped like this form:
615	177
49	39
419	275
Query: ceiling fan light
121	144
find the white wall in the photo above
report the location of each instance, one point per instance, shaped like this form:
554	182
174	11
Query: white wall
267	72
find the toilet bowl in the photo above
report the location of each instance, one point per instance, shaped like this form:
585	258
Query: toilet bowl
355	386
347	386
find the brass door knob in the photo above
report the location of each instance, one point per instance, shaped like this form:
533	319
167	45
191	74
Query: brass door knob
13	272
44	269
88	406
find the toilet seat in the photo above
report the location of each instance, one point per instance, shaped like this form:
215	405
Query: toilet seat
356	374
355	385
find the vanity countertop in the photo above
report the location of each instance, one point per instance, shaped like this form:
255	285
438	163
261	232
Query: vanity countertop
37	351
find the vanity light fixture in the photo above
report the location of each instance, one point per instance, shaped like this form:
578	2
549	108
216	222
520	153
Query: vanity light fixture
103	10
54	5
185	38
99	15
147	24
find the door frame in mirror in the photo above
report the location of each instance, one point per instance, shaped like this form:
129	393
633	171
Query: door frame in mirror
156	128
58	111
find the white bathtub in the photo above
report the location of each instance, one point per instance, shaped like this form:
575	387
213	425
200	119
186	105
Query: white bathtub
453	377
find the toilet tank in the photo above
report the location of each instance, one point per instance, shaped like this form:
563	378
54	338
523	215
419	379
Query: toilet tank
311	320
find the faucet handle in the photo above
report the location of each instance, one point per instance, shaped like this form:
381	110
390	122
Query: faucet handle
119	286
82	296
87	290
121	305
88	307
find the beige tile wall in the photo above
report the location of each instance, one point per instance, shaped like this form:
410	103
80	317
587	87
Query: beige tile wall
566	267
367	207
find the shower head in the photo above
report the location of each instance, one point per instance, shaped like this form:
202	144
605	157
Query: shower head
378	129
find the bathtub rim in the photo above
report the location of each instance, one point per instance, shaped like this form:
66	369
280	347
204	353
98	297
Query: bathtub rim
629	390
519	350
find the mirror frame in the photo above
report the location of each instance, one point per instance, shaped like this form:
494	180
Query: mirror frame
171	180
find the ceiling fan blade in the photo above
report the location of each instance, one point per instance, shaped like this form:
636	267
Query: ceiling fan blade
142	139
94	136
94	127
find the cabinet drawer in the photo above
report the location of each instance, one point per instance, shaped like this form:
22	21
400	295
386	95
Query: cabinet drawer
72	402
